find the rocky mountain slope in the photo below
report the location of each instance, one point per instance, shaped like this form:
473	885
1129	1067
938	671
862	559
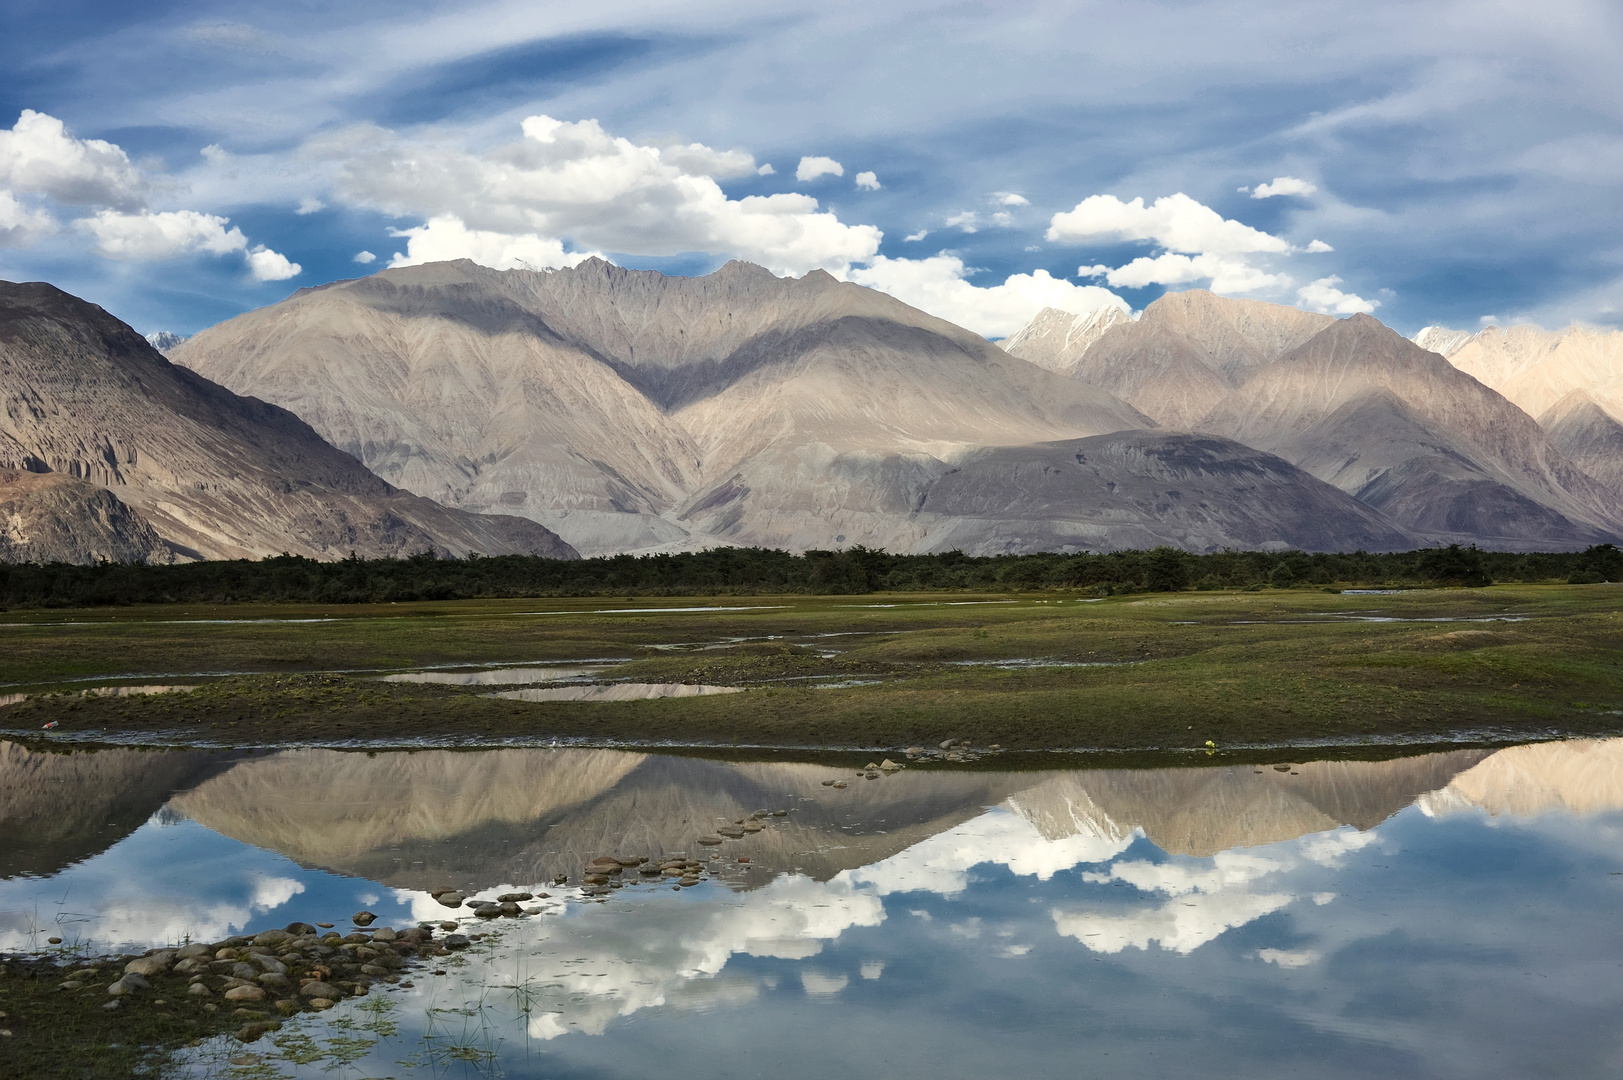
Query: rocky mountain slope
1141	489
159	450
1433	449
1056	339
1183	356
48	517
628	408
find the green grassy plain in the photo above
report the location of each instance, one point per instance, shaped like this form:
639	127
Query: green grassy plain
1503	663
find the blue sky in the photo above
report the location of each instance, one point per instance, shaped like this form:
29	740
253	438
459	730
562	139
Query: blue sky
1447	162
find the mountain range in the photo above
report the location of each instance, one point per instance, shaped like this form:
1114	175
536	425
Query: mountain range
599	409
109	451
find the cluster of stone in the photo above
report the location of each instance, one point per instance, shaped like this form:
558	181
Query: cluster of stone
277	971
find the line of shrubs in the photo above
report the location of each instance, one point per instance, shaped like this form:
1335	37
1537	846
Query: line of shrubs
743	571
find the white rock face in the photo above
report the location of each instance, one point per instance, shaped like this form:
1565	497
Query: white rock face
1057	339
1442	341
1536	368
1187	352
213	474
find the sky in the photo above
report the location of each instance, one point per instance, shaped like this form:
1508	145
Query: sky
1450	163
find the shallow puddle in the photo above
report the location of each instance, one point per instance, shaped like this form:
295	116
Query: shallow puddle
510	676
631	691
1447	915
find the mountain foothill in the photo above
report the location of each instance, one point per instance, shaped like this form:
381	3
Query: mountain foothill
593	410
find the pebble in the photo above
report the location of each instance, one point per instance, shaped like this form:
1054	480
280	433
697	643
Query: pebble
198	990
53	941
245	993
130	982
384	934
112	1004
448	926
192	952
363	918
709	841
889	766
514	897
732	832
828	783
838	784
456	941
450	899
321	1003
156	964
315	989
780	813
325	925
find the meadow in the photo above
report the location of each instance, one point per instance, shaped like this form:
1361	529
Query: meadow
1053	670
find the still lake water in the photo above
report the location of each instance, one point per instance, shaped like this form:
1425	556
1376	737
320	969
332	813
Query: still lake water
1450	915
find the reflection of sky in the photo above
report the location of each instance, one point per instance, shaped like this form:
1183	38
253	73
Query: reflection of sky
1463	945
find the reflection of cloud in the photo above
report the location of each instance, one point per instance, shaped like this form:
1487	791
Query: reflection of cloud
1287	958
273	892
1178	926
820	985
872	969
1207	897
999	837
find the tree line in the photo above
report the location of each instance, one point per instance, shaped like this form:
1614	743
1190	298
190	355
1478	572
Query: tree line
745	571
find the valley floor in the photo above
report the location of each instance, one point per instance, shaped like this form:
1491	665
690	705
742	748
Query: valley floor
1157	673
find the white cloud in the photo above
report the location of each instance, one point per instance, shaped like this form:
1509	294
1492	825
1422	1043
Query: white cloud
173	233
267	265
574	182
1227	275
446	237
39	156
1284	185
811	168
1318	247
966	220
1198	244
147	235
818	984
696	159
873	969
867	181
937	285
21	225
365	258
1287	958
1175	222
309	205
1009	198
1323	295
766	170
914	238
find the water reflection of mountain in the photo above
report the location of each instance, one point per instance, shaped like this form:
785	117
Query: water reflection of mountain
1580	776
60	808
518	816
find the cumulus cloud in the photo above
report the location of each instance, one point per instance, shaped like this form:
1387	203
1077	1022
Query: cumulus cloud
1198	244
40	159
309	205
446	237
21	225
147	235
867	181
1227	275
766	170
574	182
1009	198
913	238
365	258
1318	247
267	265
172	233
1323	295
966	220
939	285
1284	185
1175	222
38	156
811	168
